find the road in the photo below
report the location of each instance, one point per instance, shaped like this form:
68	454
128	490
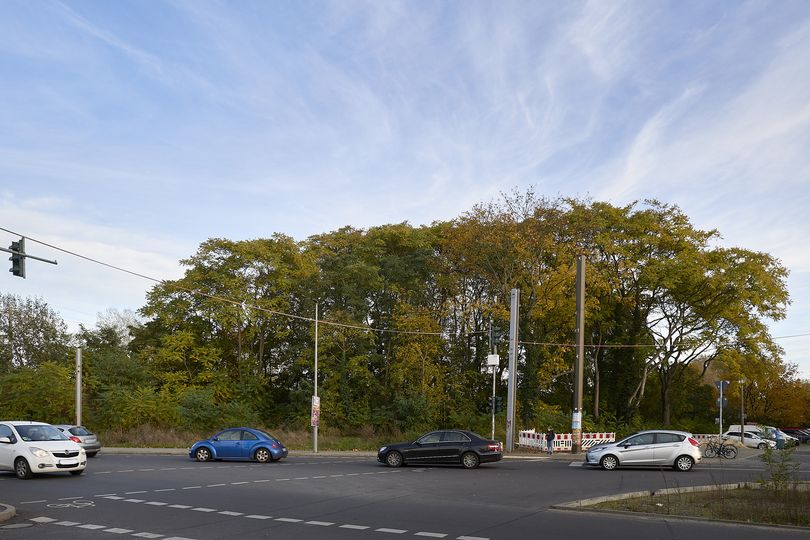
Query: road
351	497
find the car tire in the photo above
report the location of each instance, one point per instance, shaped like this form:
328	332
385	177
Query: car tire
22	469
609	462
92	454
470	460
394	459
202	454
77	473
262	455
683	463
761	446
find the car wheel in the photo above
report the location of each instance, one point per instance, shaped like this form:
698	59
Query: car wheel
202	454
609	463
470	460
683	463
262	455
92	454
761	446
394	459
77	473
22	469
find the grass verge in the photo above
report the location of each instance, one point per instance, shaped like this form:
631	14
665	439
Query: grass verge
751	503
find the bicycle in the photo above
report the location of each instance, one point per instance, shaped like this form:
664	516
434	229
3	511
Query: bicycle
715	448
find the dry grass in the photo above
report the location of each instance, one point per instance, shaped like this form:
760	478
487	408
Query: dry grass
328	439
784	507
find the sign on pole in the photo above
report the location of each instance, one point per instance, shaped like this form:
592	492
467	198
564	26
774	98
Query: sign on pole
315	421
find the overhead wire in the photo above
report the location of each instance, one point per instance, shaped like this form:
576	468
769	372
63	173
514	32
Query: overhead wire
244	305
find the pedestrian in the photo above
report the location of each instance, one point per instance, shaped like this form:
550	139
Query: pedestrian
550	436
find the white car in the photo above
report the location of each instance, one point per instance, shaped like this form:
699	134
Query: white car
29	448
655	448
752	440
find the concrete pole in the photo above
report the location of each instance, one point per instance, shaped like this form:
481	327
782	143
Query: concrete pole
315	431
579	365
78	386
512	383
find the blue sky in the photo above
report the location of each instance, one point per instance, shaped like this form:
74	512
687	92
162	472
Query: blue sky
132	131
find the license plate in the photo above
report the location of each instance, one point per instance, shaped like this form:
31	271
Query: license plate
68	462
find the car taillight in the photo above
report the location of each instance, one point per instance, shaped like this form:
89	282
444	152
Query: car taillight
75	439
494	447
693	442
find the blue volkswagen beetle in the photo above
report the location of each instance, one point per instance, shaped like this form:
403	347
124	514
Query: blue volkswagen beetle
239	443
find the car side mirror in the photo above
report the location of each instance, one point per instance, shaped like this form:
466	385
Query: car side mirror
417	443
5	440
215	439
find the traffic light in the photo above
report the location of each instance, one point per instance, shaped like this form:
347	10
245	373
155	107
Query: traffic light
18	258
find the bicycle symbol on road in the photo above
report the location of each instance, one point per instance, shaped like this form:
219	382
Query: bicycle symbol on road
77	503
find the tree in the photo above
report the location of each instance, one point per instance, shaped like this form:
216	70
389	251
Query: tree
31	333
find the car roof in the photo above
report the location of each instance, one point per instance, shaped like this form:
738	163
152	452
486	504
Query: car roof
679	432
24	423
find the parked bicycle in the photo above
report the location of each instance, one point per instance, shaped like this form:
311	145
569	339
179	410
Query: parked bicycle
718	448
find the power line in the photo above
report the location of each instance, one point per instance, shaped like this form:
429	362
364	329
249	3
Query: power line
310	319
226	300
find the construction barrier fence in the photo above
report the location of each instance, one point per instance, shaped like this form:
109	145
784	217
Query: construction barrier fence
562	441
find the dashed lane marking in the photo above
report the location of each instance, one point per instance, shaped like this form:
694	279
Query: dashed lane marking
430	534
391	531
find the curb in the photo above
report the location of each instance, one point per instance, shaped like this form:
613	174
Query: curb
7	512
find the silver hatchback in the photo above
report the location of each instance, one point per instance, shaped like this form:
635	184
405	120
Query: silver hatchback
653	448
83	436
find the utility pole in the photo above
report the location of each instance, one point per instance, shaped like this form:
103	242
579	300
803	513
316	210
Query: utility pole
742	412
579	364
512	382
316	401
722	385
78	386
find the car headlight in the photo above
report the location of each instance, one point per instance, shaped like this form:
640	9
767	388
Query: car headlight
595	450
383	449
39	452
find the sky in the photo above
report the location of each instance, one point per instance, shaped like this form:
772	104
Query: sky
132	131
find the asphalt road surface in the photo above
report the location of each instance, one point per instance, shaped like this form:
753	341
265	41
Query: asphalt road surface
353	497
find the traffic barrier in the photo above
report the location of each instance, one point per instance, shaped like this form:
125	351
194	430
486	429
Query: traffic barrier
562	441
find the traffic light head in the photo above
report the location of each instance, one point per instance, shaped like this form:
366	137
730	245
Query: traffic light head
18	258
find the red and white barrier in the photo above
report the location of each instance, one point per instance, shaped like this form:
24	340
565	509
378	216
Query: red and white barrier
562	441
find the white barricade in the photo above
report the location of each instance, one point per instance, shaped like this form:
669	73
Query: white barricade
562	441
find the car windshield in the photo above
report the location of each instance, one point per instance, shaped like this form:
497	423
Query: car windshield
40	433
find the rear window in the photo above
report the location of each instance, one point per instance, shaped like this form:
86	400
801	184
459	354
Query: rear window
80	431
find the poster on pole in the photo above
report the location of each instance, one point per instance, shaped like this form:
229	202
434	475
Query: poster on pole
316	411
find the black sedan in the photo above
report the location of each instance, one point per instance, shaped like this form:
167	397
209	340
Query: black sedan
444	446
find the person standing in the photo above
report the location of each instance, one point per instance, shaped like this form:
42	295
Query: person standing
550	436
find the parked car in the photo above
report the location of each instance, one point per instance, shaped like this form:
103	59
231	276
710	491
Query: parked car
802	434
676	449
239	443
451	446
751	440
83	436
29	448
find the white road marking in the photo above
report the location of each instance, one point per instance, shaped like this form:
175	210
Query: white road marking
576	464
134	500
145	470
168	489
114	497
229	513
216	485
354	527
128	470
133	492
430	534
289	520
67	523
392	531
91	527
33	502
148	535
319	477
157	503
102	472
258	516
180	506
259	481
104	495
192	487
238	483
281	479
201	509
302	478
116	530
471	538
320	523
43	520
169	469
335	475
71	498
